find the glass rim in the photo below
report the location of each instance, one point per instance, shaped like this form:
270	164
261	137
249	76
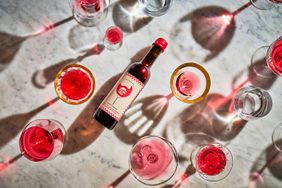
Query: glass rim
62	96
206	177
279	126
202	70
175	155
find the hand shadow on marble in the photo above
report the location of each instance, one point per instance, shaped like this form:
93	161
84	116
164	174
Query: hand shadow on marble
10	126
212	27
116	182
10	44
128	16
210	120
85	129
42	78
270	159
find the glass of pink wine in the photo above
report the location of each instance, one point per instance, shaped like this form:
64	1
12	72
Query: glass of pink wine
74	84
266	61
190	82
113	38
40	140
153	160
213	162
265	4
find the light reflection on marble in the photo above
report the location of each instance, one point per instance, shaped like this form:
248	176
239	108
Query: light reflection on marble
102	157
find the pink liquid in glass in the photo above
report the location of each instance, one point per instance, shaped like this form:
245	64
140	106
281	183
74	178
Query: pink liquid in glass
37	144
274	57
187	83
75	84
114	35
211	160
151	158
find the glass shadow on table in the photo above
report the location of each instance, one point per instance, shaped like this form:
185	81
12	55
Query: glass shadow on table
212	27
11	125
42	78
10	44
128	17
85	129
270	159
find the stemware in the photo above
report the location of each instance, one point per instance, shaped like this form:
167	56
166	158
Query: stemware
190	83
113	38
153	160
155	8
88	12
74	84
213	162
40	140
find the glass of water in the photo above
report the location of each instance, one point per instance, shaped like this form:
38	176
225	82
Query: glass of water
252	103
155	8
89	12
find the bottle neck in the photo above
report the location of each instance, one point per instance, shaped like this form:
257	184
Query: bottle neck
152	55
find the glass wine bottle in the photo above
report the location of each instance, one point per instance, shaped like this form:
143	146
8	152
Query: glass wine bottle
128	87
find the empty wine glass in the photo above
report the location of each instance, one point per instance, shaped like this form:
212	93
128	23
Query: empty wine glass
277	137
154	8
265	4
113	38
251	103
89	12
153	160
40	140
74	84
213	162
190	82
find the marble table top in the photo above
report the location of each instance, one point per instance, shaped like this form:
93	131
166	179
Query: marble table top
94	157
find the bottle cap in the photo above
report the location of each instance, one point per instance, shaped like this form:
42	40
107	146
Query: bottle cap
162	43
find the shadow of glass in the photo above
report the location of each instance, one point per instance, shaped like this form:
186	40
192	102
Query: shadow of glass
10	126
212	28
128	16
10	44
42	78
141	118
116	182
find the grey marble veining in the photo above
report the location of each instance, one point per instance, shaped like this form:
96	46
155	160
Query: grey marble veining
101	156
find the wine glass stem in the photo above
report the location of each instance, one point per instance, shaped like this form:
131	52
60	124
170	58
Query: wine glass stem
269	162
14	159
169	96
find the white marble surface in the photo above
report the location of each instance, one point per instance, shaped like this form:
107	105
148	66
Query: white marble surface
96	160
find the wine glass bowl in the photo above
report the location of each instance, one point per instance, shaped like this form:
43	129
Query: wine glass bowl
274	57
190	83
277	137
42	139
153	160
213	162
74	84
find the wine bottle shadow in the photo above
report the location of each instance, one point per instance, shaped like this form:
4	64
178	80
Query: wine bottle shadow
204	122
270	159
42	78
10	126
10	44
127	16
212	27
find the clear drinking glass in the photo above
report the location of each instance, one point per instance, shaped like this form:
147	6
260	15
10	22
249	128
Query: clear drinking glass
89	12
40	140
74	84
113	38
190	82
252	103
213	162
265	4
277	137
155	8
153	160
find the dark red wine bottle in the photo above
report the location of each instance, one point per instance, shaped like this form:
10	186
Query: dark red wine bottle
128	87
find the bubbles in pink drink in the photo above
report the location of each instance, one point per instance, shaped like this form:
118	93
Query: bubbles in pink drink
187	83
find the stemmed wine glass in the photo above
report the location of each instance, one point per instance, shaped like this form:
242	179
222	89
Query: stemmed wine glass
190	83
266	61
113	38
213	162
89	12
153	160
265	4
40	140
74	84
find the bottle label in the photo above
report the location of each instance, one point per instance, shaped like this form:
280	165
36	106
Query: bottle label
121	96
